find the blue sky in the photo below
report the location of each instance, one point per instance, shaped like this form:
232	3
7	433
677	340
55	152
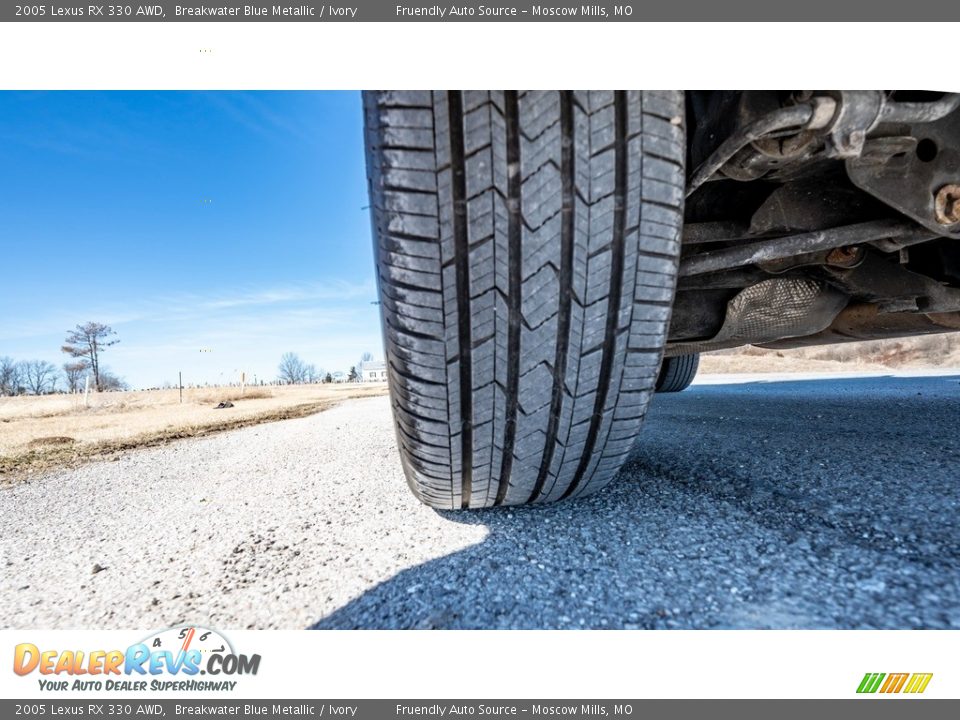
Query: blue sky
226	221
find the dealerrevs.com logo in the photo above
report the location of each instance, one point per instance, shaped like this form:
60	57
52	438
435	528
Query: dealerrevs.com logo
171	659
888	683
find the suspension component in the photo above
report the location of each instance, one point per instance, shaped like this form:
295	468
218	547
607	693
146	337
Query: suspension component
904	232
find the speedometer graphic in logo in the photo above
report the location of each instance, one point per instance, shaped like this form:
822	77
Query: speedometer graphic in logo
183	638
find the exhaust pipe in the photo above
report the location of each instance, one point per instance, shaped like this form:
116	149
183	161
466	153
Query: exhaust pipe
863	321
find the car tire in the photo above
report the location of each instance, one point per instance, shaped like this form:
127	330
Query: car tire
677	373
526	248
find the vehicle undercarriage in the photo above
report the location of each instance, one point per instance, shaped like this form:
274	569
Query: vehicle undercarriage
815	218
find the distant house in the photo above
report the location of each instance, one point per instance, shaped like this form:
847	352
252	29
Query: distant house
372	371
339	376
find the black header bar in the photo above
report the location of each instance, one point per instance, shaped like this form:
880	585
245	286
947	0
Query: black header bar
473	11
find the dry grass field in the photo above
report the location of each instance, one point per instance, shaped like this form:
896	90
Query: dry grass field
40	432
927	351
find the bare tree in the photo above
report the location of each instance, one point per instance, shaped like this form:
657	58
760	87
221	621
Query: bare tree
9	376
366	357
314	375
73	373
87	342
39	376
292	370
110	382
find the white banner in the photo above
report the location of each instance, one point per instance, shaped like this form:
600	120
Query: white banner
514	664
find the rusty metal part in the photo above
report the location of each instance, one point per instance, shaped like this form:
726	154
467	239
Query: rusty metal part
794	245
909	181
864	321
848	256
946	204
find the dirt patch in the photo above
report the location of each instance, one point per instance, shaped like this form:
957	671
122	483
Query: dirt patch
113	427
53	440
234	395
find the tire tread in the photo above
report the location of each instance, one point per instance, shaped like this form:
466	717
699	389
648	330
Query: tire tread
677	373
526	247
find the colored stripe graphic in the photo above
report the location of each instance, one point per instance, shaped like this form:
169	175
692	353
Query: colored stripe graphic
894	682
918	682
870	682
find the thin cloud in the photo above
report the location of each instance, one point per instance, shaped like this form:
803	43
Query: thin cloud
185	306
337	290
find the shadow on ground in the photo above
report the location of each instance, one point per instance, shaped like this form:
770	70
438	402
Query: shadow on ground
811	504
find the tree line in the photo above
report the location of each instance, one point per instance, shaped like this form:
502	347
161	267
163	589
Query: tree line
294	371
84	345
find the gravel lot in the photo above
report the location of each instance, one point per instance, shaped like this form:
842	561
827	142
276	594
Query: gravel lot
775	503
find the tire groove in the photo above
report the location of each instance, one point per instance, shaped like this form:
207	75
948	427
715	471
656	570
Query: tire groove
514	291
462	260
616	286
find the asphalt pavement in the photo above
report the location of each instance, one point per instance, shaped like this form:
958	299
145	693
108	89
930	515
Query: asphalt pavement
757	502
